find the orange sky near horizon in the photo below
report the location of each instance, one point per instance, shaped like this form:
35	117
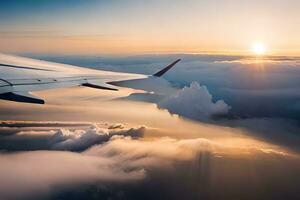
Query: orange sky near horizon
99	27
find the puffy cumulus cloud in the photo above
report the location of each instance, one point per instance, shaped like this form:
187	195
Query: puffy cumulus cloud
194	102
79	140
161	168
71	138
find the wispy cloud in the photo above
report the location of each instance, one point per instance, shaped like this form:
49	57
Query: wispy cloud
139	166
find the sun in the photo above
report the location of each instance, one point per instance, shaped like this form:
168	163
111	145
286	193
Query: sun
259	48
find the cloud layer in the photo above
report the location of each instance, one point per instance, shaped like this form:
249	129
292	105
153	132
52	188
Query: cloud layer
79	140
127	168
84	161
30	174
194	102
76	138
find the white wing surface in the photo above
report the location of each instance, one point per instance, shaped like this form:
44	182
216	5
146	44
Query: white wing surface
19	76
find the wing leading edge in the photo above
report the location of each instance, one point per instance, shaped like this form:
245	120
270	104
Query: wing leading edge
19	76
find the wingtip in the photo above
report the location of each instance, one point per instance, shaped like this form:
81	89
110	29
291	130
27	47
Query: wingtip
167	68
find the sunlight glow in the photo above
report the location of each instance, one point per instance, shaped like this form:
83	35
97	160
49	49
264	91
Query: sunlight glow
259	48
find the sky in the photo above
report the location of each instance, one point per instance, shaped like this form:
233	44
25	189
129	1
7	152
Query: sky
137	27
213	127
225	127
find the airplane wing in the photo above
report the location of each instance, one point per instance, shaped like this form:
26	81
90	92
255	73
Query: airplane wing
19	76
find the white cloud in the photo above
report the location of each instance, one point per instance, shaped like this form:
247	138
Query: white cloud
35	173
66	138
194	102
123	160
78	140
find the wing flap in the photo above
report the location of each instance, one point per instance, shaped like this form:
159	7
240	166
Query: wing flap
24	97
18	89
102	86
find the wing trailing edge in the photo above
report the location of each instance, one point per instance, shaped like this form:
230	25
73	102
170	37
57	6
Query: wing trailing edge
106	87
24	97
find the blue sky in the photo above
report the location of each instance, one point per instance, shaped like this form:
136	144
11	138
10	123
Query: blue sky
154	26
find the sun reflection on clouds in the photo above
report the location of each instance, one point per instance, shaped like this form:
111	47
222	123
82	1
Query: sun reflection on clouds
257	60
126	160
133	145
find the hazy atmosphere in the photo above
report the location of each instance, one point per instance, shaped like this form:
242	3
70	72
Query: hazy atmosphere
96	26
224	123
